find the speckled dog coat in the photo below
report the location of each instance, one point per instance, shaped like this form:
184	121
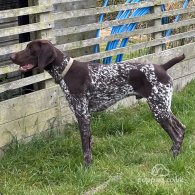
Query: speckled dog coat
91	87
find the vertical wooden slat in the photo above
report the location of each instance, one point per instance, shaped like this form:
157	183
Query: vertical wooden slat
84	20
45	34
157	22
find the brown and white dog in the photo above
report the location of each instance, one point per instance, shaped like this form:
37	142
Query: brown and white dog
90	87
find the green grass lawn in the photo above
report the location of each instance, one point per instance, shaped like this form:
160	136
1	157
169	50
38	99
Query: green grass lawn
131	156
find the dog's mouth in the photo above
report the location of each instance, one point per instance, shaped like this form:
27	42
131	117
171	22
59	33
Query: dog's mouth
26	67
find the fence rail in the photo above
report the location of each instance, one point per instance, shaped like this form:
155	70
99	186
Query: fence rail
25	11
109	9
93	41
25	28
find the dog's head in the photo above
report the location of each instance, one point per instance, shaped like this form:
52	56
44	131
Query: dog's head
39	53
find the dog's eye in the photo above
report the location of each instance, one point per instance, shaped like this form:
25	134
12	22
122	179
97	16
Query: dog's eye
31	50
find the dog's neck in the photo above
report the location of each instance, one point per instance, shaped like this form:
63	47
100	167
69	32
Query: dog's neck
60	66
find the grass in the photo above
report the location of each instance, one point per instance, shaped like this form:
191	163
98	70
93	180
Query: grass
128	146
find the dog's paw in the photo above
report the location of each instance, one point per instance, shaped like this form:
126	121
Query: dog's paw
176	149
176	153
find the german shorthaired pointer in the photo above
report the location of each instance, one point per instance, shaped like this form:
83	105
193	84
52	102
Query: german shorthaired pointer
90	87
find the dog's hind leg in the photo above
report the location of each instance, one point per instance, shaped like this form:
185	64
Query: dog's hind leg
160	103
175	130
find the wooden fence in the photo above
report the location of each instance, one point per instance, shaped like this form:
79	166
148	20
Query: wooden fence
71	26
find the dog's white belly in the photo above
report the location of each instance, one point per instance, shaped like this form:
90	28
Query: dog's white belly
100	99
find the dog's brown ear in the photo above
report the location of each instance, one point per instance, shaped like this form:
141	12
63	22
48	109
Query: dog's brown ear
47	54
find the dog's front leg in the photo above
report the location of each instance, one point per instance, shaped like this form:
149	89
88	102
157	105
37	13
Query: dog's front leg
82	114
84	126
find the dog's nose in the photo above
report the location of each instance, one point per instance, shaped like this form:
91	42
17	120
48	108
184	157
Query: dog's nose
13	56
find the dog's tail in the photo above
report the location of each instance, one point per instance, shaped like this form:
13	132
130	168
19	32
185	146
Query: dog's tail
172	62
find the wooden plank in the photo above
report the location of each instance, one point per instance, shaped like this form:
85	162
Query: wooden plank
25	11
25	28
8	20
135	47
180	83
65	1
107	24
164	56
6	40
15	47
8	24
44	17
93	41
8	69
67	115
33	118
24	82
183	69
29	125
157	23
3	63
45	34
109	9
29	104
12	48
